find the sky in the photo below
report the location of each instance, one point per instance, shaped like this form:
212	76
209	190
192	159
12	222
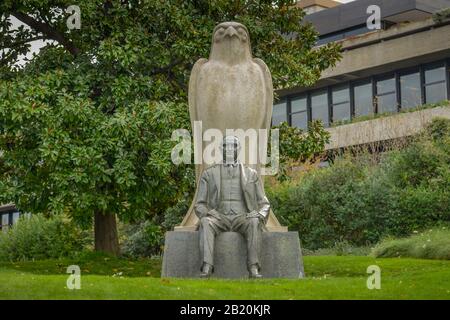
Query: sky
35	45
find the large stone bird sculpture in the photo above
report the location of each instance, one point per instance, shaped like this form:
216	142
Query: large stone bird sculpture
230	90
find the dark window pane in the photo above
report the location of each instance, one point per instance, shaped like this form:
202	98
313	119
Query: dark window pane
341	112
343	34
363	99
436	92
434	75
5	221
385	86
341	94
279	113
330	38
298	104
299	115
341	103
387	103
357	31
386	97
300	120
410	90
319	107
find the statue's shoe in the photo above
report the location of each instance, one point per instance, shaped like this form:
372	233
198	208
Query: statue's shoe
254	272
206	271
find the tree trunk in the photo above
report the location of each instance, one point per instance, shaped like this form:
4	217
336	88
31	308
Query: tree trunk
105	231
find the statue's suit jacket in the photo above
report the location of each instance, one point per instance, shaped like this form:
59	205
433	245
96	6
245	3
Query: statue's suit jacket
208	197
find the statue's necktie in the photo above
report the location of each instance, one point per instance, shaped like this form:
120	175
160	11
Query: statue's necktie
230	168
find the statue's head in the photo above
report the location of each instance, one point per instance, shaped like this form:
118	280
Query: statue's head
230	149
231	41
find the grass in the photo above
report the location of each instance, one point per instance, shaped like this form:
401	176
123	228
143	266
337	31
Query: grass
90	264
342	248
431	244
328	277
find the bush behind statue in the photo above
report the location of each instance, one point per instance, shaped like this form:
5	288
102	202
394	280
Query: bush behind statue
37	237
143	239
359	200
146	238
430	244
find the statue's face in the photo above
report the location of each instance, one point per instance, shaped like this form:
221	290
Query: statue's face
230	31
230	150
231	39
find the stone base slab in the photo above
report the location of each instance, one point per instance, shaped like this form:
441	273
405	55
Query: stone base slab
280	255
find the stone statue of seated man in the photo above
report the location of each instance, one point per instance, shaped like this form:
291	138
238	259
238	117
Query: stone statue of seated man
231	198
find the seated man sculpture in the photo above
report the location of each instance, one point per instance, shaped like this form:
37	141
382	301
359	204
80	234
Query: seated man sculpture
231	198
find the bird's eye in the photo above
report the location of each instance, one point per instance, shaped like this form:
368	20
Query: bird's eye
242	34
219	34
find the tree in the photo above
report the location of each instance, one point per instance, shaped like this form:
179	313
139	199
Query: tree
297	146
85	125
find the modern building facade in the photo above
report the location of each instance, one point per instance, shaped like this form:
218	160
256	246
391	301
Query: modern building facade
401	66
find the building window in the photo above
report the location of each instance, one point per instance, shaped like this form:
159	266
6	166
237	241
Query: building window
5	221
15	217
363	97
8	218
406	89
279	113
435	85
386	95
410	91
340	96
319	107
299	112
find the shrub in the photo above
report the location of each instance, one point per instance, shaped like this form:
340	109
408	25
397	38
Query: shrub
144	239
326	206
431	244
438	129
37	237
359	201
442	15
174	215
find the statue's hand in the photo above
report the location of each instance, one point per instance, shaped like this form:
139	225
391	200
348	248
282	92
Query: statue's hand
214	213
254	214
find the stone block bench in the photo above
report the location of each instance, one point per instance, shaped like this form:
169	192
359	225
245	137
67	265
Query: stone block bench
281	255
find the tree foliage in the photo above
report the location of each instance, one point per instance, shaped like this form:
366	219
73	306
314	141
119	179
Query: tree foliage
297	145
85	125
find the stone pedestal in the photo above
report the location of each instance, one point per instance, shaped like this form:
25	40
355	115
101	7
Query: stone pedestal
281	255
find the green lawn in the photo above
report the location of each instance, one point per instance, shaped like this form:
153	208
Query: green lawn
328	277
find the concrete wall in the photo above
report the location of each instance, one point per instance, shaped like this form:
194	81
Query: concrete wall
390	51
386	128
354	13
313	9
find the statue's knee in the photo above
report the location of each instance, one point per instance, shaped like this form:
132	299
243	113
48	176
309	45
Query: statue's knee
254	222
206	222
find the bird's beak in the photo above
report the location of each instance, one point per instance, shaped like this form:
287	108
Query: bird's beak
231	31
